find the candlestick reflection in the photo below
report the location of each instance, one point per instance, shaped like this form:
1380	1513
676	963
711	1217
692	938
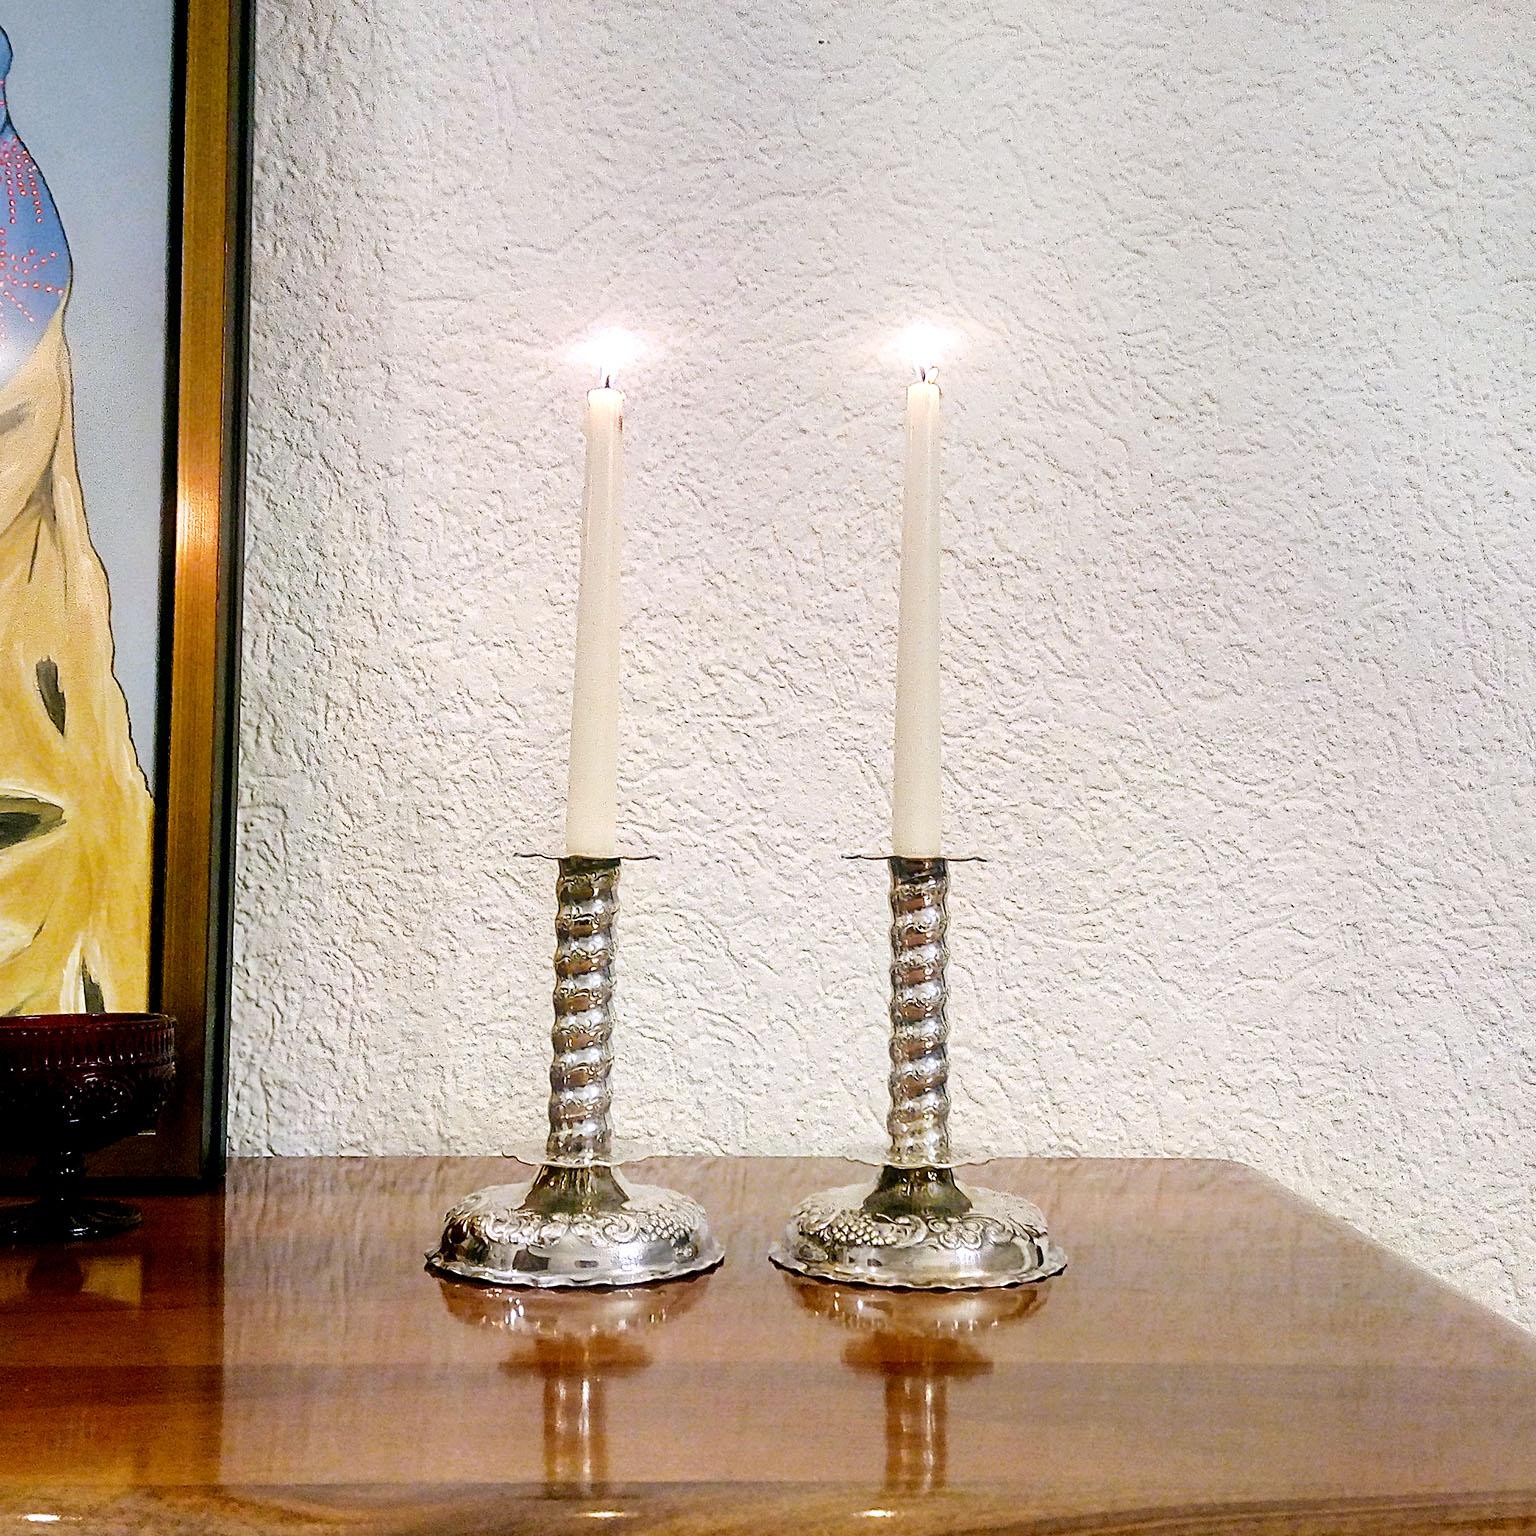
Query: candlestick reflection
917	1344
576	1342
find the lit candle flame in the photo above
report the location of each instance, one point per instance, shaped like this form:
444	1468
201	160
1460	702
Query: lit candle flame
922	346
608	352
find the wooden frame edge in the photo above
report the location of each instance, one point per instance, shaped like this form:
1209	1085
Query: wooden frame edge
204	648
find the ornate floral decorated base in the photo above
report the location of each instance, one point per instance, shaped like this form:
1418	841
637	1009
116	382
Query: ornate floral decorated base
919	1229
575	1227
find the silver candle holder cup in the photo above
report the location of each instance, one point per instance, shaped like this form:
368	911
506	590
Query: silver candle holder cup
919	1227
578	1223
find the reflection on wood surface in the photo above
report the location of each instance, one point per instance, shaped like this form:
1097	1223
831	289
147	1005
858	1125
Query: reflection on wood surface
1220	1356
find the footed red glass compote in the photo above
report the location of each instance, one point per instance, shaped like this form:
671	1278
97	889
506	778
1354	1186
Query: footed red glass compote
72	1083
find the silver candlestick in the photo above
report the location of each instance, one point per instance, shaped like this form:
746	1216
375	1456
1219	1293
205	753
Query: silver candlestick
919	1227
578	1223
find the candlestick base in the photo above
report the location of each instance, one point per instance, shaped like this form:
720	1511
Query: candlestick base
575	1227
919	1229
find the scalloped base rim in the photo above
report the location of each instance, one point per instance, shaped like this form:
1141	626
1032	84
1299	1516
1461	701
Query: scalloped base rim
1053	1264
498	1279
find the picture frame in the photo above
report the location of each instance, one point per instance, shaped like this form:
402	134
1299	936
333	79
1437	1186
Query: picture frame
199	590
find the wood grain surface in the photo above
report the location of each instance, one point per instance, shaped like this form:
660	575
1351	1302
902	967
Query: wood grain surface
1220	1356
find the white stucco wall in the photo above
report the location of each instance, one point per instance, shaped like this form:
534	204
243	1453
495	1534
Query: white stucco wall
1240	661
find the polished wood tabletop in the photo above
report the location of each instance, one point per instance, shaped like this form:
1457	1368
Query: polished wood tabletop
1219	1356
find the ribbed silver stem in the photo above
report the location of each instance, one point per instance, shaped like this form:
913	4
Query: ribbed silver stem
580	1097
919	1119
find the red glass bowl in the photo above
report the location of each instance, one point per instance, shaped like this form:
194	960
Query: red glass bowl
71	1084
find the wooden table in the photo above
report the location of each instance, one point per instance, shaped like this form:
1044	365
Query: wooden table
1219	1357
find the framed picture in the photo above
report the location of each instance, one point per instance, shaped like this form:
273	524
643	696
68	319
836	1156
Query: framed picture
123	153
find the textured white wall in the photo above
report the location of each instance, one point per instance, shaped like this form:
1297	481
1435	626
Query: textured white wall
1240	650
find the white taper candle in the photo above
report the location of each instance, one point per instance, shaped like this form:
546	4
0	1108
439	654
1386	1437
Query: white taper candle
915	796
592	804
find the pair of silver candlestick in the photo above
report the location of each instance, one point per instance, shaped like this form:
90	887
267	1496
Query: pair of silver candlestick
579	1224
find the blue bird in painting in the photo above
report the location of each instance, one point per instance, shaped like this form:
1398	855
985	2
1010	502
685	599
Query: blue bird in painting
34	256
